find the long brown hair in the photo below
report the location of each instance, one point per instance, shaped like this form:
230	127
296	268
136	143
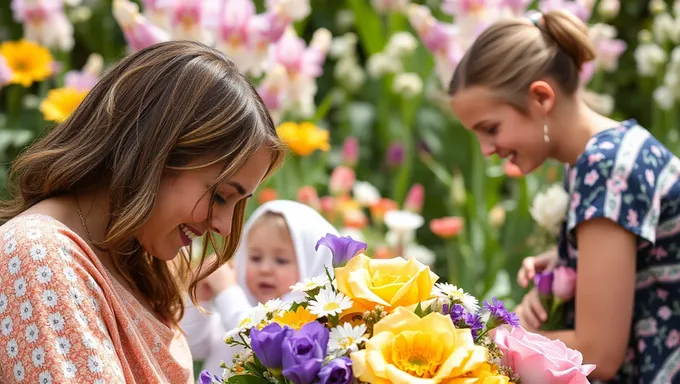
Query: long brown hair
511	54
154	112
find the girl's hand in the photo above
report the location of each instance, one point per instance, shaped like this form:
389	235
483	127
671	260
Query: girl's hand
536	264
531	312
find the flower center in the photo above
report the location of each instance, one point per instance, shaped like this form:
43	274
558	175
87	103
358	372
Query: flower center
417	354
332	306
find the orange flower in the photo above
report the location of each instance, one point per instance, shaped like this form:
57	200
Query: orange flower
383	252
354	218
447	227
307	195
512	170
551	174
267	194
383	206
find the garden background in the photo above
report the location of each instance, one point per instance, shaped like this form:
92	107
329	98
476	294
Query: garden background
357	87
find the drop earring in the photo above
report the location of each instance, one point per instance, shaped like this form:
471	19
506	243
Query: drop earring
546	138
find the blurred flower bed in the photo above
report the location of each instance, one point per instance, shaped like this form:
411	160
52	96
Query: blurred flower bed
357	88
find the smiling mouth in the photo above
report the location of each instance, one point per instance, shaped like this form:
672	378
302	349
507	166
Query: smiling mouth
189	232
266	286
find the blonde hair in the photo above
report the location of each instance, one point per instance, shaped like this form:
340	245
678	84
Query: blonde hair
275	219
511	54
152	114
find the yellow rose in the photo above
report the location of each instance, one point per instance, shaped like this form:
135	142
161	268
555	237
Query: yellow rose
391	282
484	374
407	349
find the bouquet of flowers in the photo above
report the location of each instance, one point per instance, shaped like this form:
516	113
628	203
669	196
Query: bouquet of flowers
555	287
388	321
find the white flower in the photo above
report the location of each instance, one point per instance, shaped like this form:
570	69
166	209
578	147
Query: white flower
381	64
10	246
403	222
349	73
70	274
12	348
32	333
609	9
6	326
550	207
38	252
385	6
89	341
664	28
19	371
310	284
75	295
81	318
20	287
290	9
38	357
56	321
69	369
343	46
456	295
401	44
408	84
365	193
420	253
14	265
26	310
275	305
44	274
257	315
345	338
664	97
3	302
329	303
94	364
45	378
33	234
649	57
396	238
63	345
49	298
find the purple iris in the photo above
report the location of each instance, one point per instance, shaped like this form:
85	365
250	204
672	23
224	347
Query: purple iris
543	282
206	378
337	371
499	315
266	344
303	353
343	248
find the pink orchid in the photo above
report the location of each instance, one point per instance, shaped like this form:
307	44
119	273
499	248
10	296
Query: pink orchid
138	31
44	22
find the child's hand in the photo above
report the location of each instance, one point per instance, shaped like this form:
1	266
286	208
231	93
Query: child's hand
224	277
536	264
531	312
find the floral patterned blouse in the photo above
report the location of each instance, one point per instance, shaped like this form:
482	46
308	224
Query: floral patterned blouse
627	176
64	319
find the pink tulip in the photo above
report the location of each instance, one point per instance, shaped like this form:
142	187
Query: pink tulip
350	151
342	180
564	283
415	198
539	360
308	195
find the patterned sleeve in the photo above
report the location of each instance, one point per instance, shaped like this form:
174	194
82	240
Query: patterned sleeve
51	328
621	177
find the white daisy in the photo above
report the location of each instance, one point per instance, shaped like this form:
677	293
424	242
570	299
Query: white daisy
329	303
63	345
94	363
256	316
12	348
56	321
310	284
70	274
44	274
45	378
20	287
455	295
7	326
19	371
26	310
3	302
49	298
14	265
275	305
38	357
345	338
89	341
75	295
69	369
10	246
32	333
33	234
38	252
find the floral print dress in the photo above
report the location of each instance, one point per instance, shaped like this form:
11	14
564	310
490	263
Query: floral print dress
65	319
627	176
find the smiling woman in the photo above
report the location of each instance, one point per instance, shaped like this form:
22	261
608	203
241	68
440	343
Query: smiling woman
165	148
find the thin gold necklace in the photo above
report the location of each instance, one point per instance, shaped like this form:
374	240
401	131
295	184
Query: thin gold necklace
82	220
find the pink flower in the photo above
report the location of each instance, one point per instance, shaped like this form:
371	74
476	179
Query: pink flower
564	283
662	293
350	151
539	360
617	184
594	158
632	218
659	253
138	31
649	175
342	180
665	312
590	211
642	346
591	177
5	72
673	339
415	198
576	199
308	195
656	151
607	145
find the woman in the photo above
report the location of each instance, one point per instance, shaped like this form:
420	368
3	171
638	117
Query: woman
165	148
517	89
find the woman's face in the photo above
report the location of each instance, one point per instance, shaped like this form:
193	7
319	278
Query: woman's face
182	204
502	129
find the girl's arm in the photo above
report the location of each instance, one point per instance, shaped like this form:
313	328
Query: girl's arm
604	296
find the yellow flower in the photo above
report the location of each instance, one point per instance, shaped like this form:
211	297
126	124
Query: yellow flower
295	319
303	138
390	283
407	349
29	61
60	103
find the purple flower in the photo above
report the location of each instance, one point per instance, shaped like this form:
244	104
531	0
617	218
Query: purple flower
474	322
337	371
499	315
395	154
343	248
266	344
544	282
457	313
206	378
303	353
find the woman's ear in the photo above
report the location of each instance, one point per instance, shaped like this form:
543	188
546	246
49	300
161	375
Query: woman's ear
542	96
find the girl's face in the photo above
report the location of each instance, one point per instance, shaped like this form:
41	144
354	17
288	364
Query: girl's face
501	129
271	265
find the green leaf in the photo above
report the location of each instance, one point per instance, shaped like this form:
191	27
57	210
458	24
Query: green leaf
419	311
246	379
369	26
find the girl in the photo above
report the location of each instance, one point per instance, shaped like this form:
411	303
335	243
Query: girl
277	251
517	89
165	148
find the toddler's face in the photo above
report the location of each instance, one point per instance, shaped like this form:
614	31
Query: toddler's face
271	267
